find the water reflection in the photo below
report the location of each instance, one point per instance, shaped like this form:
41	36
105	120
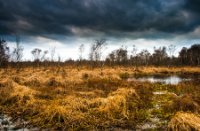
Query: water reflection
173	80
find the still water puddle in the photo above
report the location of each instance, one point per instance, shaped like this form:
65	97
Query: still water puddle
172	80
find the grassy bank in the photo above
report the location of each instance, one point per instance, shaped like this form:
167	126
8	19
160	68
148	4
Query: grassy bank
85	98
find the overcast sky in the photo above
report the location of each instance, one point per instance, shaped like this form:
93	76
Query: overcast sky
66	24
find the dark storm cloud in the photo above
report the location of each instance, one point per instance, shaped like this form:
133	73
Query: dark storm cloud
193	5
71	17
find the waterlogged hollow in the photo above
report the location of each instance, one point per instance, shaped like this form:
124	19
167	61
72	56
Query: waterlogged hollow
172	80
6	124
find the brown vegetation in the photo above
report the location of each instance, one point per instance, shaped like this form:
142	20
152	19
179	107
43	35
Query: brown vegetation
71	98
184	122
84	98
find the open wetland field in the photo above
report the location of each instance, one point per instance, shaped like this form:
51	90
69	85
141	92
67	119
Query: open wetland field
109	98
99	65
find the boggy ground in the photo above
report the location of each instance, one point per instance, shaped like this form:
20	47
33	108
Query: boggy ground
75	98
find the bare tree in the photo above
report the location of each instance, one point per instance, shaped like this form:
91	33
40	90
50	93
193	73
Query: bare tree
111	58
96	50
53	51
122	55
36	54
4	52
18	50
81	50
134	51
133	55
43	58
59	58
171	50
183	56
159	56
144	57
92	51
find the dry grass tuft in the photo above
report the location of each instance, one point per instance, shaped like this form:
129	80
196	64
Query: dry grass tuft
52	82
185	103
116	105
184	122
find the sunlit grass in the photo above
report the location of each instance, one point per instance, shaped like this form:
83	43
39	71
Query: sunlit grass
84	98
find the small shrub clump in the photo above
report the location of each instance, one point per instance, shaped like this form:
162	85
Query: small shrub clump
124	76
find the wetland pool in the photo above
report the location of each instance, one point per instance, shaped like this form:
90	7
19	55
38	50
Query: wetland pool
172	79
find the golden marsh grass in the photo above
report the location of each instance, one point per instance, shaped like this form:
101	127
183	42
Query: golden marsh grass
81	98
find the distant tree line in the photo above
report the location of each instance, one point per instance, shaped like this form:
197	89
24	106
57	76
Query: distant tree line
162	56
190	56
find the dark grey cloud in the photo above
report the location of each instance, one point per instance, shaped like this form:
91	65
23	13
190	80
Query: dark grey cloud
111	17
193	5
